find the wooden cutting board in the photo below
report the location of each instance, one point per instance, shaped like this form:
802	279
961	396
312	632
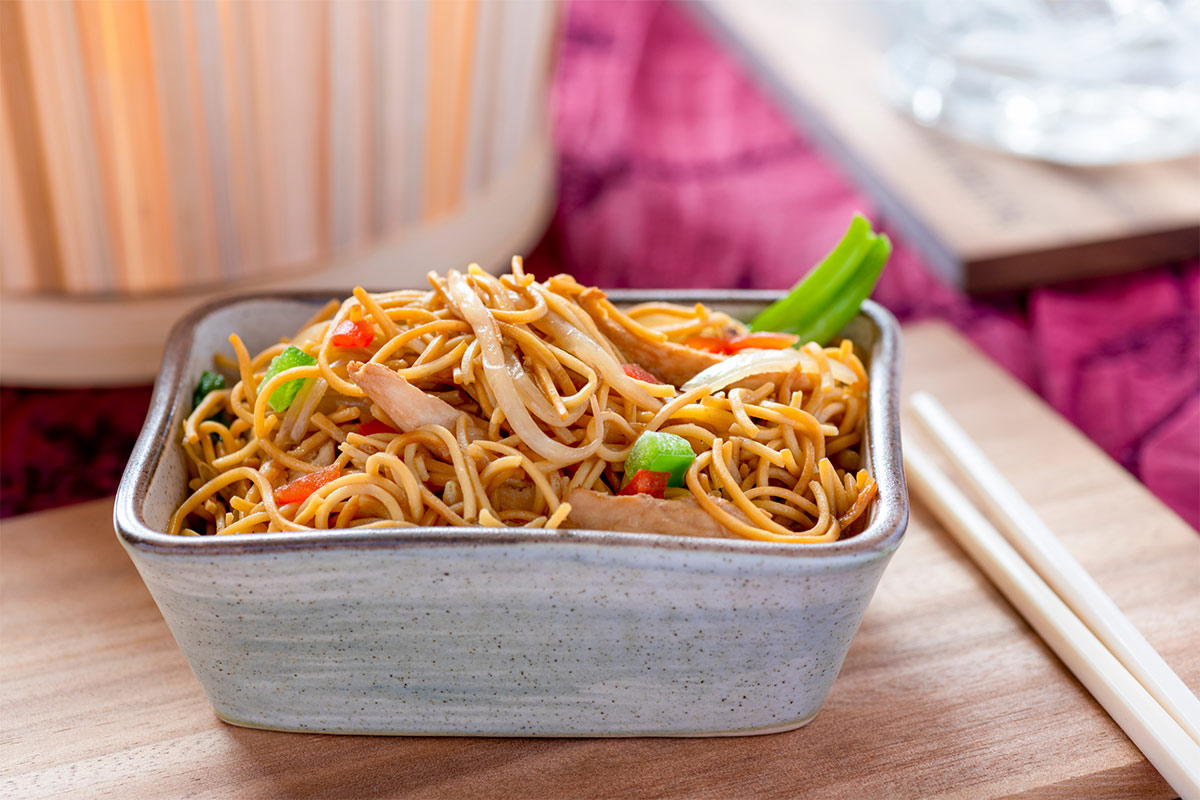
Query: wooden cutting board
945	693
986	220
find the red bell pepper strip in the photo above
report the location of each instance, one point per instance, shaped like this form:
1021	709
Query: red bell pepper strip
372	427
645	481
353	333
757	341
762	341
638	374
305	485
710	344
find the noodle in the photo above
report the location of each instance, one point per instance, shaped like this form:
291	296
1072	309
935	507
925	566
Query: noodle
503	401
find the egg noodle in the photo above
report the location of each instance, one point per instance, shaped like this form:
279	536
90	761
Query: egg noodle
505	401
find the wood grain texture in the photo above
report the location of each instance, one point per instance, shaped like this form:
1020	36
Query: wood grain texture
987	220
946	692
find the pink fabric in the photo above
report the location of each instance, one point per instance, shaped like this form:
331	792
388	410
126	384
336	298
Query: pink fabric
676	170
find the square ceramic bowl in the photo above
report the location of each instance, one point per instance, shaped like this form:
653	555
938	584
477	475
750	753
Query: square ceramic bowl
512	632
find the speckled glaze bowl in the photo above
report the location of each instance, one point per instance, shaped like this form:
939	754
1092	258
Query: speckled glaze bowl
508	633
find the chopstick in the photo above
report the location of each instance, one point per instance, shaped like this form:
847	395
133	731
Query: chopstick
1046	554
1155	732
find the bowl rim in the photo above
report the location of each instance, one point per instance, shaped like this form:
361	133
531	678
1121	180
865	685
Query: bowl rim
880	538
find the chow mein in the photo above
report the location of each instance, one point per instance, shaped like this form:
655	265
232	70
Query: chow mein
506	401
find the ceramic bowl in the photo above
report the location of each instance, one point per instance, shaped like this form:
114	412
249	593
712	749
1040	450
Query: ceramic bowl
516	632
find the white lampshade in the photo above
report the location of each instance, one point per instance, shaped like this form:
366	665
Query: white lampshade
154	155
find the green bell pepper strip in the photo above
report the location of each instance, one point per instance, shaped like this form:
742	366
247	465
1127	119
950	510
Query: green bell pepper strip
675	466
845	306
660	452
821	285
290	358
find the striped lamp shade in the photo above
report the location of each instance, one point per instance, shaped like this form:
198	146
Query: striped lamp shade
155	153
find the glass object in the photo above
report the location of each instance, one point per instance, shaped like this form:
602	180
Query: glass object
1080	82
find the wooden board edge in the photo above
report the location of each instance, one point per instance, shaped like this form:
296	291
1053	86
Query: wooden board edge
977	274
1087	259
892	210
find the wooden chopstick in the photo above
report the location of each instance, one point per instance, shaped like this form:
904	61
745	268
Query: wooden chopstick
1035	541
1155	732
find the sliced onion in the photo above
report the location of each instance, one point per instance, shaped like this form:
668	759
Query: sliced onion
742	365
534	399
587	350
500	381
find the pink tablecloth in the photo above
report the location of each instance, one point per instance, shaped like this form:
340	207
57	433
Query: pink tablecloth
677	171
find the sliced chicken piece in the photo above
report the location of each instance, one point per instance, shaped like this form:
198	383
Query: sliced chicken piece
406	405
670	362
641	513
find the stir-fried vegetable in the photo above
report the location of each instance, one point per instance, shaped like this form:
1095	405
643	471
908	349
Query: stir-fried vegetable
305	485
830	295
637	373
756	362
501	380
290	358
372	427
209	382
846	306
353	333
656	451
762	340
585	348
646	481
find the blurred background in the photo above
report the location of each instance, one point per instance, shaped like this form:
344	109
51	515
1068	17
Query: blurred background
1035	163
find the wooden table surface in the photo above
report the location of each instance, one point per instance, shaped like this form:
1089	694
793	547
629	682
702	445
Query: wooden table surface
945	693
